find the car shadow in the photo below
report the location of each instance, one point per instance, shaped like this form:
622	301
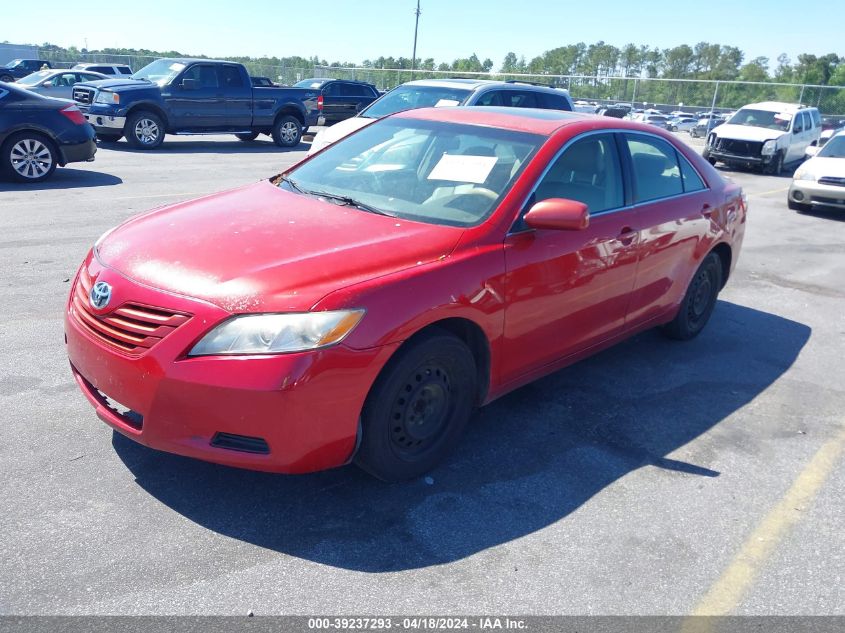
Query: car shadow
825	213
528	460
258	146
64	178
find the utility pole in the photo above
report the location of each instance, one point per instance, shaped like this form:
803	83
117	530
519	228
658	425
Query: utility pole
416	28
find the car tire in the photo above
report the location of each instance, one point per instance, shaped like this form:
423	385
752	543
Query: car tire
710	160
287	131
674	128
109	138
418	407
797	206
776	166
28	157
144	130
246	138
7	79
699	301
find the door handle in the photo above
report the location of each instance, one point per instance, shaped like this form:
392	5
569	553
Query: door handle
627	236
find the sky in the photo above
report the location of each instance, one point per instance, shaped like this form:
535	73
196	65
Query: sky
347	30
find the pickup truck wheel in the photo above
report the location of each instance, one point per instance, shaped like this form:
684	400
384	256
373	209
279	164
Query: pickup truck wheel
247	137
7	78
698	302
712	161
287	131
418	407
28	157
776	166
144	130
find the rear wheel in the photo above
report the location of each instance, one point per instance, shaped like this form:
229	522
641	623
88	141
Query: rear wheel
29	157
247	137
418	408
287	131
698	302
144	130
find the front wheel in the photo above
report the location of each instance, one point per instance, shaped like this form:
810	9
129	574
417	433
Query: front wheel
287	131
7	79
698	302
776	166
28	157
418	408
144	130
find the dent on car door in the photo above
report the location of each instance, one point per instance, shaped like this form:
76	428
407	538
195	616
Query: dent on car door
674	210
568	290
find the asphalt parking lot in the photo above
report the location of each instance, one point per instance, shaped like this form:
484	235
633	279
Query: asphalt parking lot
655	478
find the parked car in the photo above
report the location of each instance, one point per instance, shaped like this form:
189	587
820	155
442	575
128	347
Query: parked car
660	120
448	92
20	68
618	113
765	136
704	126
194	96
38	133
681	124
264	82
377	292
105	69
820	182
56	83
830	127
340	99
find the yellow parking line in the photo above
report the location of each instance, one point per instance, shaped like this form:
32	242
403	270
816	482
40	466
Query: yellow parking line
729	590
766	193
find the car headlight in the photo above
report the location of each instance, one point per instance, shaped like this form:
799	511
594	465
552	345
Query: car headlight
769	147
804	174
278	333
107	97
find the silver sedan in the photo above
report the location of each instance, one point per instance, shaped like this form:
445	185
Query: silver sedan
57	83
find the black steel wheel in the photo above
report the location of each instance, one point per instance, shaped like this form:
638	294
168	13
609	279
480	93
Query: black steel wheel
698	302
418	408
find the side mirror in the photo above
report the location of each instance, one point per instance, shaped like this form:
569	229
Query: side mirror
47	84
811	151
558	214
190	84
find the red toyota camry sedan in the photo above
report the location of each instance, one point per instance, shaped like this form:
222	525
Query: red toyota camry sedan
359	306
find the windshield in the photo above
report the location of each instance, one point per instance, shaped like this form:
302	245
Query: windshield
413	97
834	148
310	83
762	118
34	78
160	72
12	63
429	171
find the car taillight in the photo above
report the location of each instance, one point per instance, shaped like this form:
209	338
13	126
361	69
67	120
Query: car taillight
320	102
74	114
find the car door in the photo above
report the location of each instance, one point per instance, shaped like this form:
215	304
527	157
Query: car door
802	132
195	99
333	103
673	211
237	95
567	291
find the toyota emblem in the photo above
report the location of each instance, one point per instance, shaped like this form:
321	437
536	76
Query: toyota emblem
100	295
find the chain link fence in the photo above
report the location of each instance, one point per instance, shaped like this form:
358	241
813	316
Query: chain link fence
675	94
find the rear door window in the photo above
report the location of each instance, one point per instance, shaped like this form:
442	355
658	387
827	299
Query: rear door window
230	77
519	99
125	71
492	98
332	90
656	172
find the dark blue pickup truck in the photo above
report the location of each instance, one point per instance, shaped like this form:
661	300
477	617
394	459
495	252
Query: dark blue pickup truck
194	96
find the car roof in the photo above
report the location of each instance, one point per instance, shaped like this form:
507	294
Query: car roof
475	84
532	120
776	106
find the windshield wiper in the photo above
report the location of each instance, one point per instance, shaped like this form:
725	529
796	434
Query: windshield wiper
344	200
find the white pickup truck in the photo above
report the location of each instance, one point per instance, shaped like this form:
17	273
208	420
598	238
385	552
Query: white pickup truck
765	136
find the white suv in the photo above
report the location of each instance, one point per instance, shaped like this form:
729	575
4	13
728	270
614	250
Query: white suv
764	135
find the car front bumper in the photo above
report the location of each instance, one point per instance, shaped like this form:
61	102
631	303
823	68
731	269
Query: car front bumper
304	407
815	194
105	122
738	159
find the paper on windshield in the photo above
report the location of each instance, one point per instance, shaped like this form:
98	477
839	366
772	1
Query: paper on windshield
176	66
443	103
462	168
783	116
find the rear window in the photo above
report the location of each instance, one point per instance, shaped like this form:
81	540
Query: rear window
551	101
125	71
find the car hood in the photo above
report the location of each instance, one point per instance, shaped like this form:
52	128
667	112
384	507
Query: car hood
824	166
338	131
118	84
262	249
747	132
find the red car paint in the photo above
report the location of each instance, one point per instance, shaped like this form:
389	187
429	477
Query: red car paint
541	298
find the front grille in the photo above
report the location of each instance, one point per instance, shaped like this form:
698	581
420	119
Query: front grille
830	180
739	148
132	327
242	443
83	95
